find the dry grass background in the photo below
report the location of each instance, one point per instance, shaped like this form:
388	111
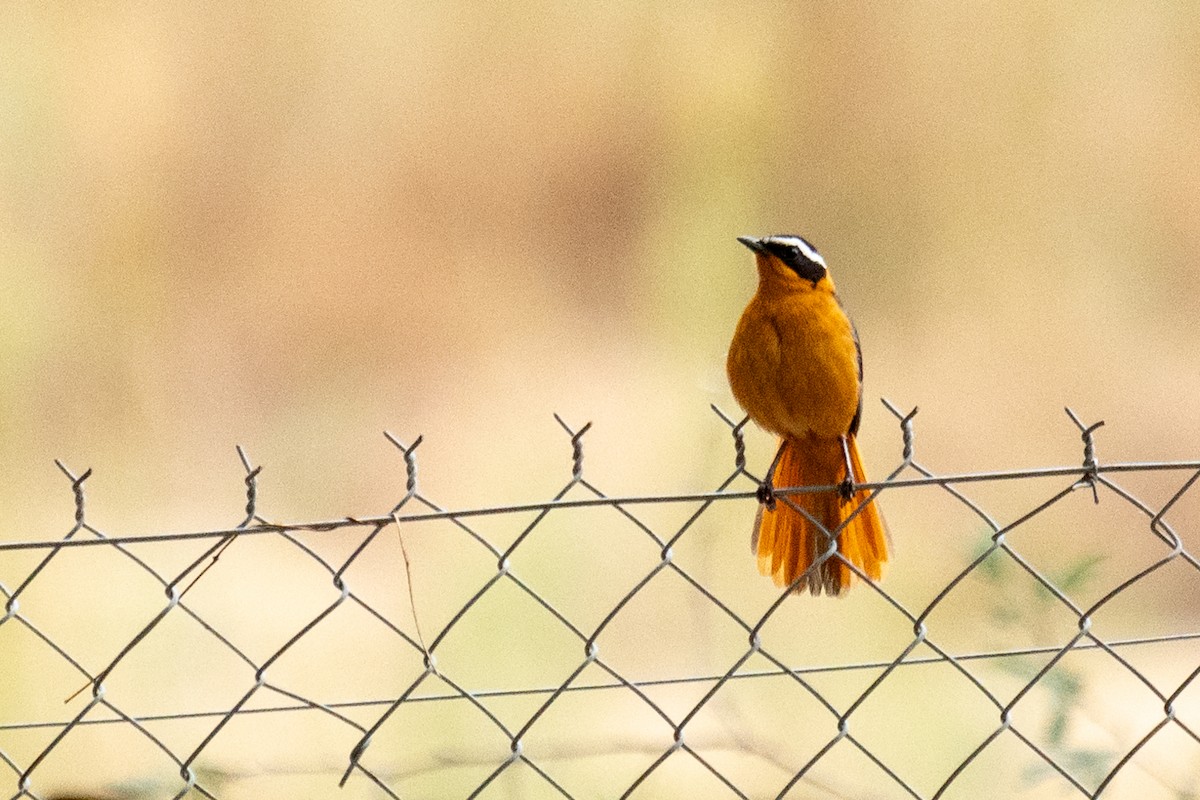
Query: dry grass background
291	226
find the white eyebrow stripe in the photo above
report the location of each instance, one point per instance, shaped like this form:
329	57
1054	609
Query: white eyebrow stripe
804	247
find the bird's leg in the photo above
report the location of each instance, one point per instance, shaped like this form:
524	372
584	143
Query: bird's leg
846	487
766	489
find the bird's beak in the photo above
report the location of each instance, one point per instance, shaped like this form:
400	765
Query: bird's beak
754	244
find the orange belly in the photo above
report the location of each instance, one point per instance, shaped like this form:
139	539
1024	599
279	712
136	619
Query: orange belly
793	365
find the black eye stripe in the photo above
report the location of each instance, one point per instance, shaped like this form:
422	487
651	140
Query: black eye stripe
795	258
784	252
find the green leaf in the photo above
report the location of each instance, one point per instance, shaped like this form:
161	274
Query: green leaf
1076	576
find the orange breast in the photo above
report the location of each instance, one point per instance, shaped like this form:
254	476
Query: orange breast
793	363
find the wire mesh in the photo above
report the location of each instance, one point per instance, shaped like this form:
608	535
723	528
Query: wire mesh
288	650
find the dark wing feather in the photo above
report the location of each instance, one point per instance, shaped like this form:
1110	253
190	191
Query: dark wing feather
858	352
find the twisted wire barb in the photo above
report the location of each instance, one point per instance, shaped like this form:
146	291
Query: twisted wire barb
1090	465
576	446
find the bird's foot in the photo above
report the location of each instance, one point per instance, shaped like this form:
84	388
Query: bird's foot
846	490
766	495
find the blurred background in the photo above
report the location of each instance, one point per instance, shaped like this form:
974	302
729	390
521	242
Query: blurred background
293	226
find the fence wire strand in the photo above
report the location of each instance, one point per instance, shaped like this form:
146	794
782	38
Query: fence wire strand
364	719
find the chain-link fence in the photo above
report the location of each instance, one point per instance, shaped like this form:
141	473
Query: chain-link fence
598	646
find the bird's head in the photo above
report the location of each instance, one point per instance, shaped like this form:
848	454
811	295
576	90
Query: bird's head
789	257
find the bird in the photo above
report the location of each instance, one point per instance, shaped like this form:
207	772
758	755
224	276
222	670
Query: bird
795	368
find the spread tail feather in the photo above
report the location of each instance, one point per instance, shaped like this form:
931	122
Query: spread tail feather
788	543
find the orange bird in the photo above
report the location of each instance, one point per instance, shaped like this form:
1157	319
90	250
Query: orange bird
795	366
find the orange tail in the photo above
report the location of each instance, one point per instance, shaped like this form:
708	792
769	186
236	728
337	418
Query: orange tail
788	543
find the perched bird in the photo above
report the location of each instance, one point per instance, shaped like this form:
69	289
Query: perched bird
795	366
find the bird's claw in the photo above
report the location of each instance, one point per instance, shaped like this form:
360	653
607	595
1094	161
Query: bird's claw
766	495
846	490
